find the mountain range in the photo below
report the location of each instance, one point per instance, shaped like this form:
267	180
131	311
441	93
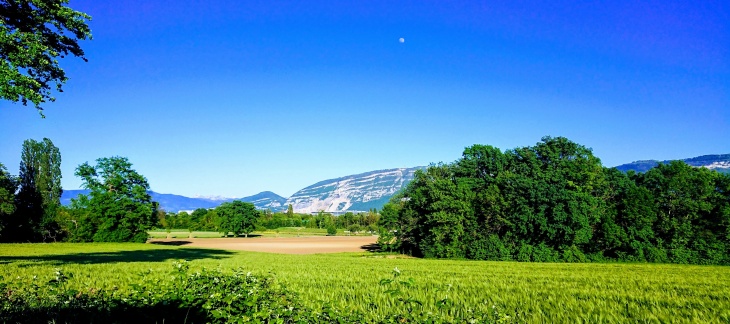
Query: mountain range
360	192
175	203
719	162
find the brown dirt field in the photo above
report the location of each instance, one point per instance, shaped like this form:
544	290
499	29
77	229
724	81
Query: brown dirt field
289	245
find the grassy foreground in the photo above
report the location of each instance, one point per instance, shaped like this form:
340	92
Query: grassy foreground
531	292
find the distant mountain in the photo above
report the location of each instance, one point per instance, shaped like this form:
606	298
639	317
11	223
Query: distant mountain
266	200
719	162
358	192
176	203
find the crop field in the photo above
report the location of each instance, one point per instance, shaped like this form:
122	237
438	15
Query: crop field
515	292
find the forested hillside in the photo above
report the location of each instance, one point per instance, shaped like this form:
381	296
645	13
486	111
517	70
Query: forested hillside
555	201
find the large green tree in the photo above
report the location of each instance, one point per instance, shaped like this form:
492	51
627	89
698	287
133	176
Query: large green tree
34	34
40	192
201	221
237	217
553	193
118	208
626	227
692	212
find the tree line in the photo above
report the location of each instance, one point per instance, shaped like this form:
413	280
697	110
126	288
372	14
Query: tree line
119	207
555	202
225	220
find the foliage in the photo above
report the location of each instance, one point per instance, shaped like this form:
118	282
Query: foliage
203	220
237	217
693	212
361	221
39	194
33	35
118	208
203	296
8	186
555	202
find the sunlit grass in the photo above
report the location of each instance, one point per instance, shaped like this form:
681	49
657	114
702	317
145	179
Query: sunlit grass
539	292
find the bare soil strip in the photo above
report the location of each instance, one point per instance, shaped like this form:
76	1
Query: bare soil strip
289	245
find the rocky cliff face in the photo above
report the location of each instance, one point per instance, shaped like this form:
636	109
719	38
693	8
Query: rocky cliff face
358	192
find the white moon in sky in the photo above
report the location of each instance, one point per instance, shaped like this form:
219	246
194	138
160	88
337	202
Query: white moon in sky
402	40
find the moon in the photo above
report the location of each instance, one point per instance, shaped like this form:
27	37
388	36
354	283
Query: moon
402	40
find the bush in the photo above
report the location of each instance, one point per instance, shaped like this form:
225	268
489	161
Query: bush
205	296
331	230
683	255
656	254
574	254
489	248
387	240
544	253
354	228
524	253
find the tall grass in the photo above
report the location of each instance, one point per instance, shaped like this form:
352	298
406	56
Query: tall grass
532	292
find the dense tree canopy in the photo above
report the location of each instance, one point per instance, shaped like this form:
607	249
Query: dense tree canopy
119	208
555	201
34	34
39	194
237	217
8	186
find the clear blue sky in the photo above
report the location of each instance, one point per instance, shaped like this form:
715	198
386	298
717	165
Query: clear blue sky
236	97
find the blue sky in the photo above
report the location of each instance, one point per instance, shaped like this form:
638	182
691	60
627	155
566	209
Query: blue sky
236	97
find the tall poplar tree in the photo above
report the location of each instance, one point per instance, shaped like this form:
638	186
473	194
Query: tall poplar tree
40	192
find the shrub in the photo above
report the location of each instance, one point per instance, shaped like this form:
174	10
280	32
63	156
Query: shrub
544	253
524	253
489	248
656	254
573	254
354	228
204	296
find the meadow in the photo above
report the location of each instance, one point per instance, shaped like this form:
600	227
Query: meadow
512	291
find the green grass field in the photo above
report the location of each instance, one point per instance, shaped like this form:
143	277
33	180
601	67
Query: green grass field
531	292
